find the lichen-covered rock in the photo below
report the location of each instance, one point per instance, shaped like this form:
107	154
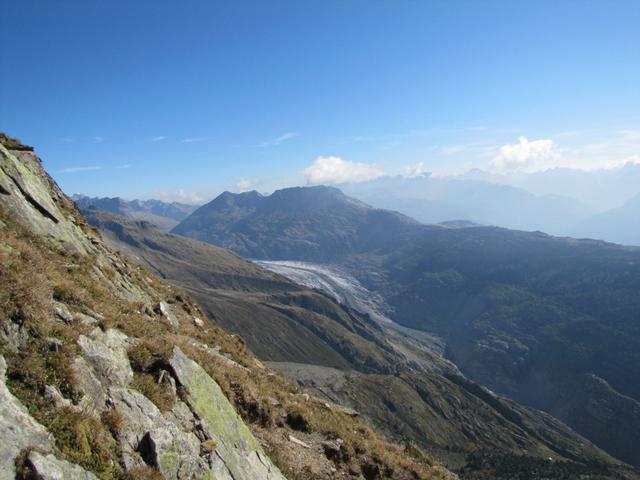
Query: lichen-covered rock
62	312
93	395
13	335
52	394
18	430
106	352
48	467
175	455
32	196
165	310
237	448
147	435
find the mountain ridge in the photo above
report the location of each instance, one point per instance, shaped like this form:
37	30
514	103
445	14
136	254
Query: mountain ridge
524	313
162	214
410	412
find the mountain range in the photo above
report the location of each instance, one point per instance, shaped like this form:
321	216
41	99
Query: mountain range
602	189
437	199
392	375
549	322
163	215
559	201
619	225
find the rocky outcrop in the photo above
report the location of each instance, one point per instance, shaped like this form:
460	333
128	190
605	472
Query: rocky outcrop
239	452
48	467
93	398
147	436
171	442
31	195
18	430
202	438
107	354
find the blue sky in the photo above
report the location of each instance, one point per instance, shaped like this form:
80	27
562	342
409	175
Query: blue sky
170	99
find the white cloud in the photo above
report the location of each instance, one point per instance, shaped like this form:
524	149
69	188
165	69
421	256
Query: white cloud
78	169
244	185
194	139
123	167
412	171
159	138
98	139
526	156
336	170
274	142
632	135
180	195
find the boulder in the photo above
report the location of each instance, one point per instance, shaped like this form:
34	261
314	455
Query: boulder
94	398
106	352
175	455
13	335
163	309
297	441
198	322
52	394
62	312
48	467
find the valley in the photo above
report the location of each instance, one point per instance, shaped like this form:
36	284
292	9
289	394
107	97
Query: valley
550	322
394	378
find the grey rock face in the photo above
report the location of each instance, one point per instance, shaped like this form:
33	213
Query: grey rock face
62	312
94	397
52	394
31	196
176	454
148	435
106	352
13	335
165	310
18	430
237	448
48	467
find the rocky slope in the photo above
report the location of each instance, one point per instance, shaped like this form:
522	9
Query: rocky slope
424	399
106	372
549	322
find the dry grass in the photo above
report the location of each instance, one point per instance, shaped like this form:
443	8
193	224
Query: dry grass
143	473
84	440
160	394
